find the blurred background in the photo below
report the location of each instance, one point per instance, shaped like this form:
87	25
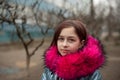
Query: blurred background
27	27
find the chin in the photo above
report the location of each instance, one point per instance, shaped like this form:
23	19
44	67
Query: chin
63	54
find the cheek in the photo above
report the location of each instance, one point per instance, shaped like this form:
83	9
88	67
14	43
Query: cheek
76	46
58	45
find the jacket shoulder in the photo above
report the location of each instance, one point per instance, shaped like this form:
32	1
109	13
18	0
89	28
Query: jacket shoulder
48	75
95	76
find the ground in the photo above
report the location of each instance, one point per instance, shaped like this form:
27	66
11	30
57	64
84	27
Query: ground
12	62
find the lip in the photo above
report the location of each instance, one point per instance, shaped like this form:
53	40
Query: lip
65	51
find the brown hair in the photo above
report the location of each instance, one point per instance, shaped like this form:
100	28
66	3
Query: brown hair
77	24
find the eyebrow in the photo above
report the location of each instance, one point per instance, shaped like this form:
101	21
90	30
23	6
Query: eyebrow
68	36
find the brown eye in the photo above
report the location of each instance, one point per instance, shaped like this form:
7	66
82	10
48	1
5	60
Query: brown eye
60	39
71	40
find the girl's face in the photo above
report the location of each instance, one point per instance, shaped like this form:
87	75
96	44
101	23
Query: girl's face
68	41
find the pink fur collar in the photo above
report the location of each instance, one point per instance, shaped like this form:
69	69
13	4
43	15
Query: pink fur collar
76	65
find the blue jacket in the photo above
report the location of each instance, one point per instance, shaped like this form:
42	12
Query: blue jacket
48	75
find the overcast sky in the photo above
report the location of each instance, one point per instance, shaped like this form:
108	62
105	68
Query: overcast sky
96	2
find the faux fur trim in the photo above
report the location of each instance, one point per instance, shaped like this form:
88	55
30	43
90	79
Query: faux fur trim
78	64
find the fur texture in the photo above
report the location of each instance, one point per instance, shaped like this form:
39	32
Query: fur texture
78	64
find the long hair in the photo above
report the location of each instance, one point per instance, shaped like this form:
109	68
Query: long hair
78	26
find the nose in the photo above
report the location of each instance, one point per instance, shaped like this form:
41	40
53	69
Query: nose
65	43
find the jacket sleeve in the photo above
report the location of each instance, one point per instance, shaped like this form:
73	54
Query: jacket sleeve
96	75
48	75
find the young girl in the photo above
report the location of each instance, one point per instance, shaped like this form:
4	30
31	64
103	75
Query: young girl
73	54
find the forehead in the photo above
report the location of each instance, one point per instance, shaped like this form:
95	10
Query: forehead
69	31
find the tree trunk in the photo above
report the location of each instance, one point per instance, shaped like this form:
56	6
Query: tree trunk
28	65
28	62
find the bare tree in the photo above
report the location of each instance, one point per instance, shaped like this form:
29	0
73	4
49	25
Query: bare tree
10	14
117	18
112	20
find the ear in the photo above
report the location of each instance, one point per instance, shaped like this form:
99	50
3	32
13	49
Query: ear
82	43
